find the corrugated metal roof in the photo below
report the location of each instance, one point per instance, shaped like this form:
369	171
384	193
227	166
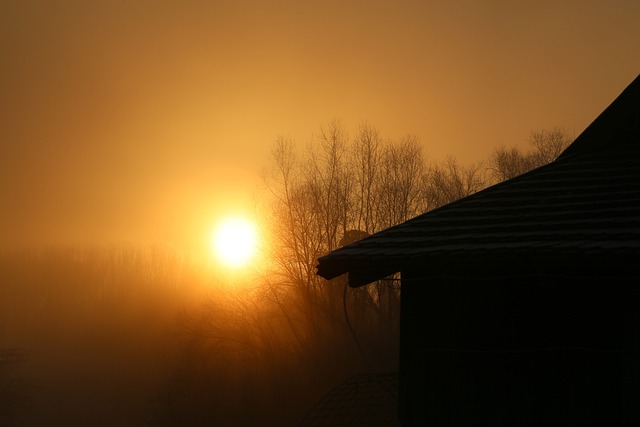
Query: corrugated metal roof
588	200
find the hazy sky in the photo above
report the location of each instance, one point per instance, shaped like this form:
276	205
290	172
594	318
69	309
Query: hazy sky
144	121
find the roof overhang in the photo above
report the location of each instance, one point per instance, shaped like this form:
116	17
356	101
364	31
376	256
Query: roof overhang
592	192
361	272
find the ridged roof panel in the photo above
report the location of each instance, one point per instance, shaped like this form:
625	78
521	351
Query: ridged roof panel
586	200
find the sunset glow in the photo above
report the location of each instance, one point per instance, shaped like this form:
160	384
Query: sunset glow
235	241
174	173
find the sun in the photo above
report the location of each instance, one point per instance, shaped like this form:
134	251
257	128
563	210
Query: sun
235	241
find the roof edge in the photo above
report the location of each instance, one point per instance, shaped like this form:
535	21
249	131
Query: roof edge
622	113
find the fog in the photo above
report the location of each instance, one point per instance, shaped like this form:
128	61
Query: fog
129	129
142	122
152	337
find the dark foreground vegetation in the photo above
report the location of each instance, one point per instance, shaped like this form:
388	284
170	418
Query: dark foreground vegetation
158	337
151	337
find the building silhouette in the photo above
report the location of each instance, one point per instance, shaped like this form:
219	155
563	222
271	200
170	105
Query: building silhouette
521	303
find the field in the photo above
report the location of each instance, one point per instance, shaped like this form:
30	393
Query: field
152	337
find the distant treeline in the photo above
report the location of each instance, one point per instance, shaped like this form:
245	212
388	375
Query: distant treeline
156	337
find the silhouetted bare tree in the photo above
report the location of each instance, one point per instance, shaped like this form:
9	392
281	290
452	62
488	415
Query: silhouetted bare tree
344	186
340	186
506	163
548	144
367	153
401	181
449	181
365	183
544	146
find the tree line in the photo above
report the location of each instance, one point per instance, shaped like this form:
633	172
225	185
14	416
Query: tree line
367	183
276	346
343	187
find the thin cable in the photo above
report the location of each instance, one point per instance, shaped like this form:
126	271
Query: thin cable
382	385
353	333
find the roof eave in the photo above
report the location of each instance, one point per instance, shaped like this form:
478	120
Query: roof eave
623	112
361	271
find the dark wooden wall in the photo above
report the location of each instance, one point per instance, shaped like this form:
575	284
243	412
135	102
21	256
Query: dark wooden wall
519	346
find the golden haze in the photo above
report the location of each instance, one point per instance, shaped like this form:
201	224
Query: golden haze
140	122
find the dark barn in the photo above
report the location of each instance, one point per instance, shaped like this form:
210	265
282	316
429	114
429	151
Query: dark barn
520	303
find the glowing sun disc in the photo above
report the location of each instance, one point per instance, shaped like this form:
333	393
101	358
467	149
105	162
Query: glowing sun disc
235	241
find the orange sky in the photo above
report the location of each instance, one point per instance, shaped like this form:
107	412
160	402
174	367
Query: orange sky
143	121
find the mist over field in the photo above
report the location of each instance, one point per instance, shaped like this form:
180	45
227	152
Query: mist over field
126	336
245	332
158	335
130	130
